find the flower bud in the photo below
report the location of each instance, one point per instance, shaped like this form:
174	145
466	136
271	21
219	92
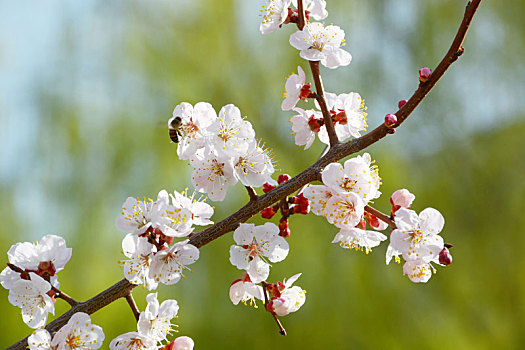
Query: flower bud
267	187
305	92
390	120
401	199
302	204
283	178
268	213
401	103
424	74
315	124
284	229
392	130
445	258
180	343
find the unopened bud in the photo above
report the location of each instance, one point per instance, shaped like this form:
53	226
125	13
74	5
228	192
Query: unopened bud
302	204
391	130
180	343
283	178
267	187
268	213
424	74
445	258
401	103
390	120
284	229
401	198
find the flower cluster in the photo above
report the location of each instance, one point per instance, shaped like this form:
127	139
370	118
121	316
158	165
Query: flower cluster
222	149
151	227
31	277
279	12
153	327
78	333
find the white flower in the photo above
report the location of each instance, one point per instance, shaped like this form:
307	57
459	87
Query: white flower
358	239
293	88
213	175
201	212
318	195
357	176
230	135
304	135
155	321
417	270
182	343
40	339
173	221
140	253
138	215
291	298
318	43
167	265
255	167
78	333
417	237
392	253
317	8
274	15
349	114
133	341
401	199
344	210
31	296
194	121
255	244
245	290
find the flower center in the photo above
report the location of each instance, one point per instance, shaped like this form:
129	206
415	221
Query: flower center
416	235
348	184
73	341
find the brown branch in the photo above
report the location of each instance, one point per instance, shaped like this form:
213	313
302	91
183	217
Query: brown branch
133	305
282	331
58	293
300	14
334	154
381	216
251	193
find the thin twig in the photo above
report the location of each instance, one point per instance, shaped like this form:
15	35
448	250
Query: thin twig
133	305
282	331
336	153
381	216
251	193
58	293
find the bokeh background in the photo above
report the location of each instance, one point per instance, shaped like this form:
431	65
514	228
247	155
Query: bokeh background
85	84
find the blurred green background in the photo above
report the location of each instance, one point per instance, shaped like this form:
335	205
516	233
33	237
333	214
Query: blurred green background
85	84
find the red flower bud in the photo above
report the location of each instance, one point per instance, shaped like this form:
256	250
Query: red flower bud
268	213
283	178
284	229
424	74
315	124
401	103
445	258
267	187
302	204
390	120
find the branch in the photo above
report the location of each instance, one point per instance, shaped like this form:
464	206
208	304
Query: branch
282	331
334	154
133	305
251	193
381	216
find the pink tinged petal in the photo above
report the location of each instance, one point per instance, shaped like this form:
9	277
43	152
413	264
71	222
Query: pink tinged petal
336	57
403	198
333	176
236	292
183	343
258	270
239	257
204	114
431	221
183	110
406	219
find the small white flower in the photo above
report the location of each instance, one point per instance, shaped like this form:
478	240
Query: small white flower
317	8
194	121
167	265
244	290
417	270
133	341
255	167
173	221
201	212
417	237
344	210
293	88
140	252
40	339
274	15
138	215
318	195
291	298
155	321
255	243
78	333
318	43
358	239
401	199
304	135
31	296
230	135
213	174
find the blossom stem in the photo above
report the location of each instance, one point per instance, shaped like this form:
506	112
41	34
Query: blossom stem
300	15
381	216
251	193
58	292
282	331
133	305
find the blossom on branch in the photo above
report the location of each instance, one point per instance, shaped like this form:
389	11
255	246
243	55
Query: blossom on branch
358	239
213	174
274	15
137	268
168	265
244	290
155	321
316	8
319	43
133	341
201	212
286	298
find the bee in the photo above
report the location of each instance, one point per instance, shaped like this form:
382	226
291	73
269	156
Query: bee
174	125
